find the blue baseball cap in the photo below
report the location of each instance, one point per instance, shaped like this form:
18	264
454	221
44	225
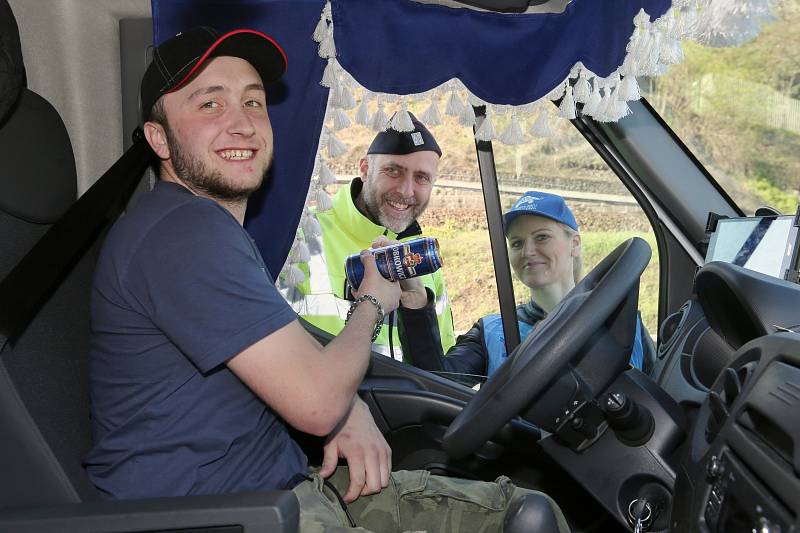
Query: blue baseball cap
544	205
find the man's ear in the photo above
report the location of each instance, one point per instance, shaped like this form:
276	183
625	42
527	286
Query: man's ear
157	138
363	167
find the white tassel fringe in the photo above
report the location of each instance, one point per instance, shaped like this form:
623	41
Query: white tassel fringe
293	276
541	126
323	199
513	133
401	121
486	131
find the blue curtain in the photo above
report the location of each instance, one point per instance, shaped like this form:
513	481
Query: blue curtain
400	47
404	47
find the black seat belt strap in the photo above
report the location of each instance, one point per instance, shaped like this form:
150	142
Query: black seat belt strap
31	282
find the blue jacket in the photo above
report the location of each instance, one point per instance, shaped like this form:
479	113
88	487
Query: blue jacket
481	350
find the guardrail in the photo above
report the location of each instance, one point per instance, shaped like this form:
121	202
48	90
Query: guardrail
516	190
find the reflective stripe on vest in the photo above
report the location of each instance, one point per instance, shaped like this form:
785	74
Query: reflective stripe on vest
319	281
321	305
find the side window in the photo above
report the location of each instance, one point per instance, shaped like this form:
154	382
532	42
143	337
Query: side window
607	214
738	110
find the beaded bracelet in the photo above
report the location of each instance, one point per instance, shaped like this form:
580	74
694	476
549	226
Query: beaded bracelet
376	303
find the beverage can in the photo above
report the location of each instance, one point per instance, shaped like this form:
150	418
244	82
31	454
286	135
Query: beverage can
398	261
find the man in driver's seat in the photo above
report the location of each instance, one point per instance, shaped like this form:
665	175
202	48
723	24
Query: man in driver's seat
198	364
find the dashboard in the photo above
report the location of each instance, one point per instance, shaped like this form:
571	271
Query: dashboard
742	462
739	471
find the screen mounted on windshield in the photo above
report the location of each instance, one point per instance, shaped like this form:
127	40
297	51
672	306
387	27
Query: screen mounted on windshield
763	244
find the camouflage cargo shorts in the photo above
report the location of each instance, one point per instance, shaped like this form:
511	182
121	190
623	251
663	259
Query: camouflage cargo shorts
414	501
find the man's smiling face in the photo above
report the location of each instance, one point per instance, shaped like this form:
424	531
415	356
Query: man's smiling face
218	131
397	188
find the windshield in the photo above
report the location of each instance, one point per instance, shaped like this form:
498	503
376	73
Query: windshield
737	110
606	213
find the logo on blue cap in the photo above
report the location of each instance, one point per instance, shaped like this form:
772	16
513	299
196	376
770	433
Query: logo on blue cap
543	204
527	201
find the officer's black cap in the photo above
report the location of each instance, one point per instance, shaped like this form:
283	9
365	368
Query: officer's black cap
405	142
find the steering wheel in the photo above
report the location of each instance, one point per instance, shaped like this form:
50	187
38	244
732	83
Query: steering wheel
545	353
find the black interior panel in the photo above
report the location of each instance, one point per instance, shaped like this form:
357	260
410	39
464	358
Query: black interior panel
740	469
741	304
690	355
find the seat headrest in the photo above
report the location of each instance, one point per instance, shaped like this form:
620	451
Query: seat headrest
12	68
39	181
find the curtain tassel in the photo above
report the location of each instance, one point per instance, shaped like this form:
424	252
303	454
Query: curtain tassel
467	116
486	132
324	202
340	119
513	133
293	276
454	106
336	147
401	121
362	113
326	176
431	116
541	126
629	88
567	107
380	121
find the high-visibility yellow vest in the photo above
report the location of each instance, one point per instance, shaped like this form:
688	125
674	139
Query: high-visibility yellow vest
320	298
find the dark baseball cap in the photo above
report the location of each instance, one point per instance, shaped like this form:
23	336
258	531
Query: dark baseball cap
544	205
177	59
404	142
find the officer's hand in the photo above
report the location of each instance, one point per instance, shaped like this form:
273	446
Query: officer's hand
387	292
382	241
361	444
413	295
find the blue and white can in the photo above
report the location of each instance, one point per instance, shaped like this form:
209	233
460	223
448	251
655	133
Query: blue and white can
398	261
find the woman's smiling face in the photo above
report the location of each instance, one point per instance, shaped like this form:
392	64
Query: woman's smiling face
541	251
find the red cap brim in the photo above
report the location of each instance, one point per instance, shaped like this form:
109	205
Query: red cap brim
270	62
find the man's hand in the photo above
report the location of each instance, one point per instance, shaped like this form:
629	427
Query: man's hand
362	445
387	292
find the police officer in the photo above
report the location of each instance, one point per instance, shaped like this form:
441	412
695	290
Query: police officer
397	176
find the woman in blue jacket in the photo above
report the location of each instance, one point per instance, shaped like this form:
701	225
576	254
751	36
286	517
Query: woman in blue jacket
544	249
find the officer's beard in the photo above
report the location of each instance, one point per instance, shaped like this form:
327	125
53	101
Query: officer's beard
377	210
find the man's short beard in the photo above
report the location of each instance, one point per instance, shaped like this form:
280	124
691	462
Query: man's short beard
200	179
372	206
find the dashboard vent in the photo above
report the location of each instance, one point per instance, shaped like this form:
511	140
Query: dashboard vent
668	332
722	398
711	355
771	411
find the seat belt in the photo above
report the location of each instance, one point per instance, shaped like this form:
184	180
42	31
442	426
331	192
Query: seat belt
33	280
